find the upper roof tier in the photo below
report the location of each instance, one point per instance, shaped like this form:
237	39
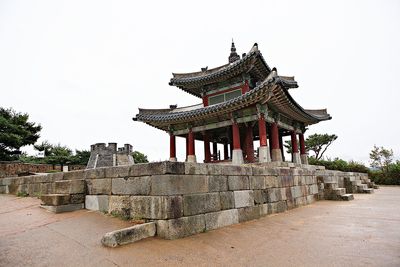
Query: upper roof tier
252	63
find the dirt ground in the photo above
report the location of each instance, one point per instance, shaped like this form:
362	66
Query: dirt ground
365	231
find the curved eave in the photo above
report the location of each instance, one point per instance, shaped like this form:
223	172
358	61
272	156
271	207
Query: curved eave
189	82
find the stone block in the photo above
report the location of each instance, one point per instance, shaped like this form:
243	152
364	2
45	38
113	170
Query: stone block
6	181
99	186
77	198
131	185
310	199
3	189
272	181
227	200
46	188
178	184
98	173
70	187
296	191
217	183
64	208
277	207
129	235
283	193
220	219
117	172
42	178
157	168
56	176
74	175
286	180
181	227
274	194
257	182
238	182
264	209
97	202
216	169
260	170
156	207
249	213
243	198
259	196
120	205
300	201
55	199
201	203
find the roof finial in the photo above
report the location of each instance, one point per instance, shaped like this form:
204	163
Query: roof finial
233	56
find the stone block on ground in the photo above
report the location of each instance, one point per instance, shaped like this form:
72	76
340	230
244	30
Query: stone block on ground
99	186
220	219
70	187
244	198
201	203
77	198
277	207
156	207
55	199
64	208
120	205
97	202
347	197
178	184
227	200
181	227
249	213
129	235
368	190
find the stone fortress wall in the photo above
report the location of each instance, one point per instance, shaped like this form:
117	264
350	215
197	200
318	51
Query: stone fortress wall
109	156
187	198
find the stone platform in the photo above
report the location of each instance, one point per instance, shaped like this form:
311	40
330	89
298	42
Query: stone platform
189	198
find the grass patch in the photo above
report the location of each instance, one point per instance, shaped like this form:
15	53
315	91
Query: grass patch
22	194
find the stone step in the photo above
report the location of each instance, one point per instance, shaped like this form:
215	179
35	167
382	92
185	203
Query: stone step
369	190
362	187
376	186
330	185
55	199
339	191
347	197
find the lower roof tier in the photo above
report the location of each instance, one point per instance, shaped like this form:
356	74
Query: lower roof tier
271	93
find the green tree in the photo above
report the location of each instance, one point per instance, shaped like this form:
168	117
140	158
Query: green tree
317	143
59	155
15	132
81	157
44	146
139	157
381	158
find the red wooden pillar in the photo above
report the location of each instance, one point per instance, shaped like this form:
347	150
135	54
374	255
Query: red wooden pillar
295	148
274	136
215	151
302	145
262	130
226	156
207	152
236	136
249	144
191	143
172	147
187	146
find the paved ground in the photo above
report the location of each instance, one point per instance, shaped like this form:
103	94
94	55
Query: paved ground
362	232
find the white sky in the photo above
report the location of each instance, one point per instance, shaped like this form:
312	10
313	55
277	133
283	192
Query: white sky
82	68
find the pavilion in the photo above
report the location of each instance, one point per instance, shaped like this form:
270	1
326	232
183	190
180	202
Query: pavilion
242	101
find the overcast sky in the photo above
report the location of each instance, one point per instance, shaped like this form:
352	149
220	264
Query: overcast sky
82	68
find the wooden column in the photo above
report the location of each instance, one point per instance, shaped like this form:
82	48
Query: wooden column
226	156
295	148
191	153
262	130
302	145
172	147
276	154
207	152
215	151
236	136
249	144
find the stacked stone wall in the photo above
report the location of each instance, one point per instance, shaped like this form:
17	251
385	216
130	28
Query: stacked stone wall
8	169
188	198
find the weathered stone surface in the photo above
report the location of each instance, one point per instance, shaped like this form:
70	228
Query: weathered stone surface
120	205
70	187
217	183
99	186
181	227
55	199
271	181
264	209
259	170
42	178
220	219
227	200
129	235
77	198
46	188
98	173
216	169
74	175
64	208
201	203
249	213
57	176
244	198
157	168
156	207
3	189
300	201
286	180
257	182
97	202
274	194
296	191
178	184
131	186
117	172
238	182
277	207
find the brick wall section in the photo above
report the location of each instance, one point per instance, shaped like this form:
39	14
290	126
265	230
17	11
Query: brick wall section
188	198
8	169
